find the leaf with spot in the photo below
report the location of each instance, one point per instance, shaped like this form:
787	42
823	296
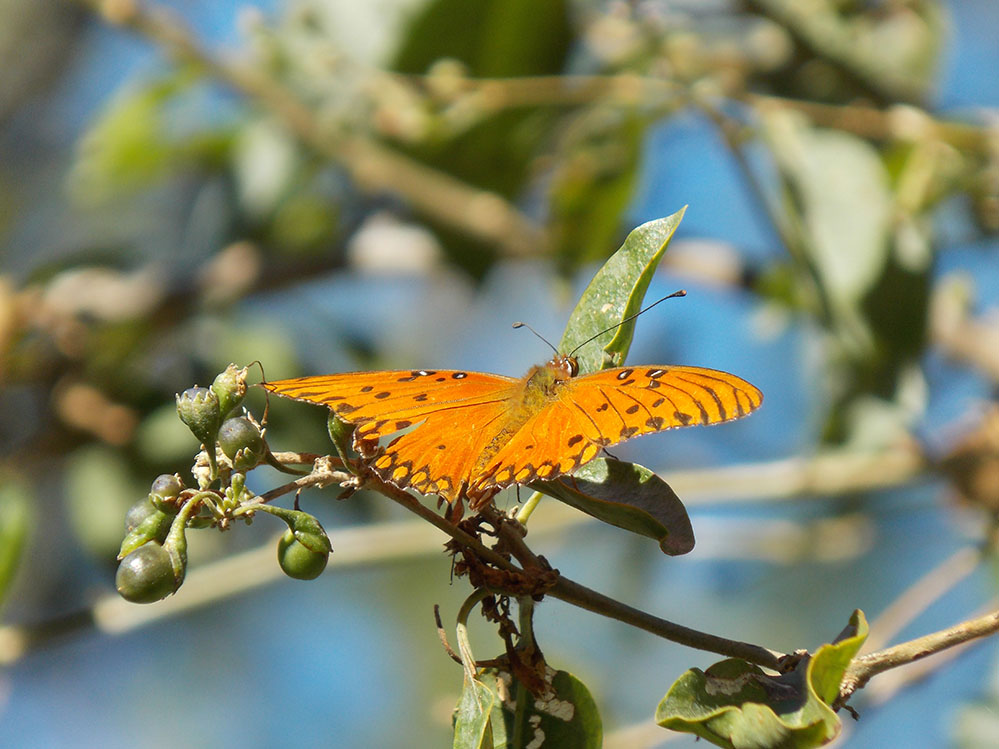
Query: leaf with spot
565	717
629	496
735	704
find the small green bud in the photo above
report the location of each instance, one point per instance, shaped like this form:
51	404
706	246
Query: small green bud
146	575
137	513
165	493
199	409
242	443
154	527
230	387
299	561
341	433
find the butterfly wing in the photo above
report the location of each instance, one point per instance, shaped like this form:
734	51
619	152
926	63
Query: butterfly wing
456	414
607	407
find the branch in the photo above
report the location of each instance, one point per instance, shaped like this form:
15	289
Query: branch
865	667
479	213
921	594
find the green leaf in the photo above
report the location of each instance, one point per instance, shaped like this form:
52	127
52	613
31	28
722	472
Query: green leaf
566	717
472	727
15	524
493	38
629	496
130	145
735	704
838	193
616	292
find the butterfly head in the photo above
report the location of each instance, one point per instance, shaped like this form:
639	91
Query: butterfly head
566	367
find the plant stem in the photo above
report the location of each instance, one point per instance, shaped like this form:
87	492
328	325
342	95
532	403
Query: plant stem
579	595
524	514
866	666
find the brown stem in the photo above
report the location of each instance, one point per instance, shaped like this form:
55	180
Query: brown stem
867	666
579	595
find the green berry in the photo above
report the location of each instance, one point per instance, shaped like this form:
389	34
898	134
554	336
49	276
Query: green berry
299	561
165	492
146	575
241	441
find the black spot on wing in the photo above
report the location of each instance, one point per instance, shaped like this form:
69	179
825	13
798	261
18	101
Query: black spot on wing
382	395
367	388
575	440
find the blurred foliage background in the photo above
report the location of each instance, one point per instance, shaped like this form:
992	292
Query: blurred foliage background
326	186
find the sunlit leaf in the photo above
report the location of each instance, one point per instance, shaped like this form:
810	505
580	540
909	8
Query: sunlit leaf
736	704
617	291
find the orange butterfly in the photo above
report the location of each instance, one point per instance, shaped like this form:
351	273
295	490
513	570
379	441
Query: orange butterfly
477	433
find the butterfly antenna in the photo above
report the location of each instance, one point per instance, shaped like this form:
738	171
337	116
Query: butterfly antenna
681	292
525	325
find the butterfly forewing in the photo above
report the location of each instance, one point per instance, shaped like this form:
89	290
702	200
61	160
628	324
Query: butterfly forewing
456	414
610	406
387	402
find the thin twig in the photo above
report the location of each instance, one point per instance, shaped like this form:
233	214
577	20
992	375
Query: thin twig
579	595
890	683
921	594
865	667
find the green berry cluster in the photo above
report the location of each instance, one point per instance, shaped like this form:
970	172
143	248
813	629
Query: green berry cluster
153	555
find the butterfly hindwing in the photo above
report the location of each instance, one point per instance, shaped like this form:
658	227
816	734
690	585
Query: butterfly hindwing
438	457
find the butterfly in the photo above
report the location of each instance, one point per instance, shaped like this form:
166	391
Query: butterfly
474	434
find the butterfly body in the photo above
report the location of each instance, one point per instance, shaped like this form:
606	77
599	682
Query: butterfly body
475	433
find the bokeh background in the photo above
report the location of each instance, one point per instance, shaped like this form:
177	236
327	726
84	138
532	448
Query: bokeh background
324	186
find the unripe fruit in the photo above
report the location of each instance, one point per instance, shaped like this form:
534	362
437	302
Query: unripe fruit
299	561
146	575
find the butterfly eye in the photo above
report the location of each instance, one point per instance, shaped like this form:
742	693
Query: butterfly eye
573	365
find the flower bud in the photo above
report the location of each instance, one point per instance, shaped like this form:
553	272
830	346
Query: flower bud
199	409
242	443
230	387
